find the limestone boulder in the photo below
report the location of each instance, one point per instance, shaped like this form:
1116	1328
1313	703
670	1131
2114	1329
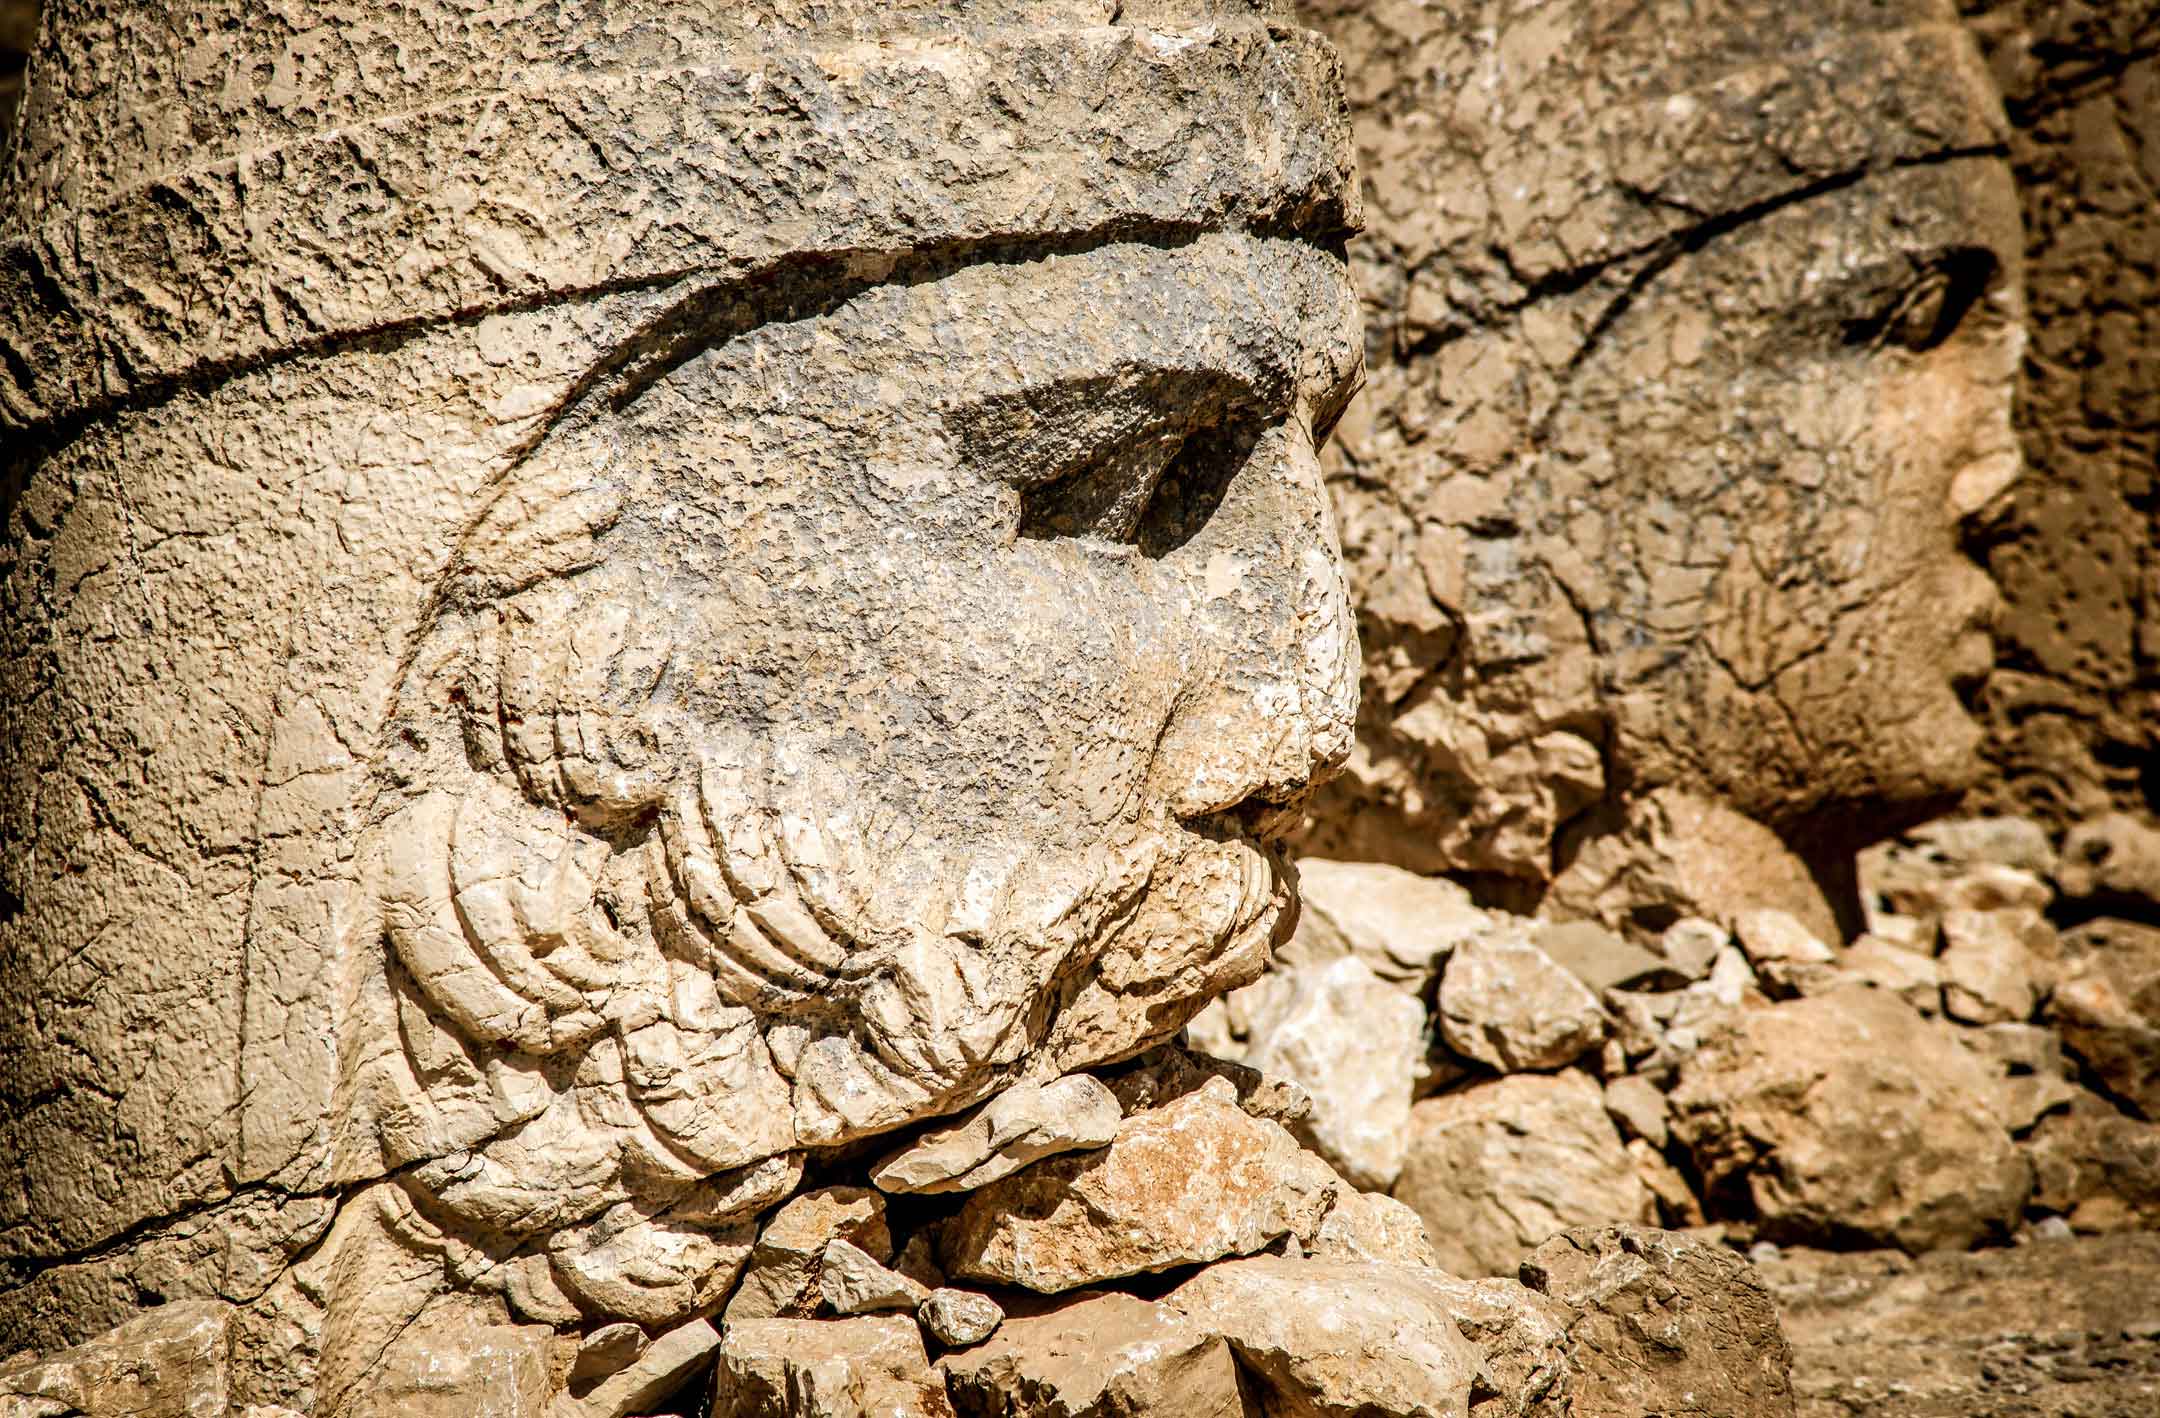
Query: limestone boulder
1195	1180
456	1363
2107	1006
169	1362
1355	1043
1496	1168
869	1367
1377	1340
959	1318
1097	1355
1400	924
850	1282
1848	1117
1664	1324
785	1266
1021	1125
660	1370
1506	1004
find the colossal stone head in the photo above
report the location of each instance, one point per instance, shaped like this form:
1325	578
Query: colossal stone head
600	600
1693	331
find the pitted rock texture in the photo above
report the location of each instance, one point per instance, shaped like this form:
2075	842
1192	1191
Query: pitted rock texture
1653	485
2073	712
621	597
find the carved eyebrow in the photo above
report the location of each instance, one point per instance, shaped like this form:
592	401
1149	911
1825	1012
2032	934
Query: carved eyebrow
1038	433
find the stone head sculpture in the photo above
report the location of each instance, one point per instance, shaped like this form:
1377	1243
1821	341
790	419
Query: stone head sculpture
603	601
1693	331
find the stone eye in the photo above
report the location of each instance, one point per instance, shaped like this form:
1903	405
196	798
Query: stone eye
1929	309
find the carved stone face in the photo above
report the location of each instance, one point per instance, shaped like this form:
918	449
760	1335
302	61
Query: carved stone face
835	717
1687	373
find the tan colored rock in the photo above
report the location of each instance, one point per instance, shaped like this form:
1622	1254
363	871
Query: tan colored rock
1598	957
1498	1167
1664	1325
169	1362
1357	1340
1368	1226
851	1283
959	1318
660	1371
1099	1356
1691	945
2107	1007
1504	1003
2097	1168
455	1364
1400	924
1639	1106
1911	975
1170	1071
1996	965
607	1350
1787	956
1021	1125
1354	1043
1195	1180
872	1367
2113	860
784	1267
1849	1116
650	1270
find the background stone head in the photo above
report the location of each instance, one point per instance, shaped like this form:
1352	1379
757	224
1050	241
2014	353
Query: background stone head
598	600
1692	333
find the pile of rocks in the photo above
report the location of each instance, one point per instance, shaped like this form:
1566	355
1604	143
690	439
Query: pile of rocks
1972	1062
1151	1240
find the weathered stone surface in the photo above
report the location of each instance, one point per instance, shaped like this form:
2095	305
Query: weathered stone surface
1996	965
1192	1181
1555	495
1355	1044
458	1365
606	1350
1639	1106
1021	1125
851	1283
1170	1071
168	1363
1598	957
1909	974
2107	1007
959	1318
1360	1340
2097	1168
784	1267
1496	1168
1847	1116
1691	945
2112	861
1098	1356
1664	1324
1400	924
1368	1226
784	585
662	1370
1504	1003
1787	956
870	1367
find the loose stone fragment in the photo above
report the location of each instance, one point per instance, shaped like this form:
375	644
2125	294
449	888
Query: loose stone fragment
1691	943
851	1283
1498	1167
2113	860
605	1350
1995	964
1401	925
1849	1116
1640	1104
2107	1006
1094	1356
1021	1125
457	1365
1784	952
1171	1071
782	1278
1354	1043
1913	977
1508	1006
660	1371
959	1318
1599	957
1367	1339
1664	1325
872	1367
1192	1181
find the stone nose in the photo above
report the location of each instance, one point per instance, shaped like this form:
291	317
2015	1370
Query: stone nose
1275	712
